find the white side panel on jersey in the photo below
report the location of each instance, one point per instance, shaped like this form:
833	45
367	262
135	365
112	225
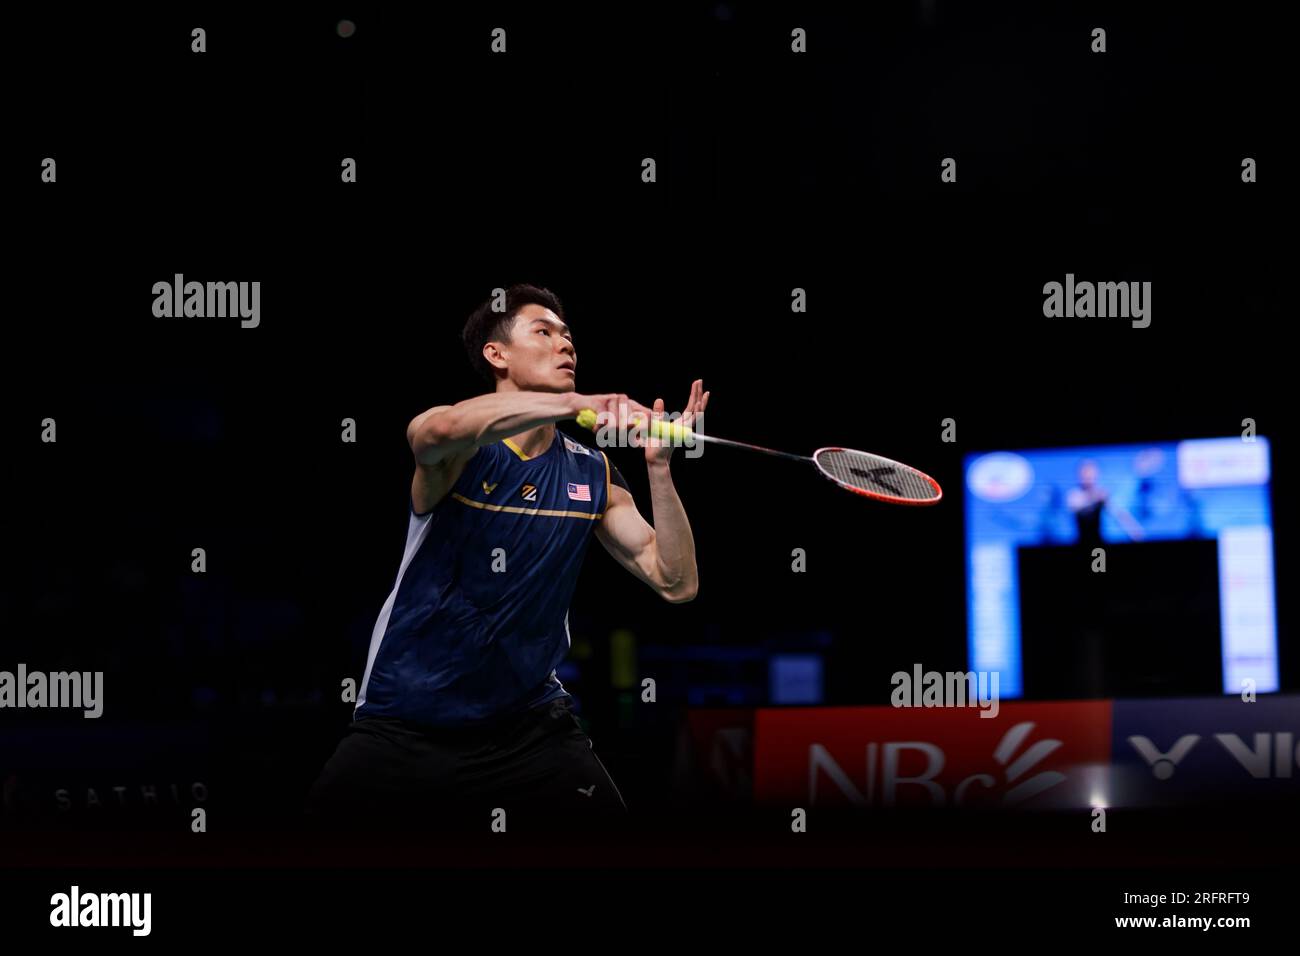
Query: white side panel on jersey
416	531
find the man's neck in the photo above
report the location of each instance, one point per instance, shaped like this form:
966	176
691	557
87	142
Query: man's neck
535	441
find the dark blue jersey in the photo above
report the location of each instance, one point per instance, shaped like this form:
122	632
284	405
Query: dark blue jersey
478	619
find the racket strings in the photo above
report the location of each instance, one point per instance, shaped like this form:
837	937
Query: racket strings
875	475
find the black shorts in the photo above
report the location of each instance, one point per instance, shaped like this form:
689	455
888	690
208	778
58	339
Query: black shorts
538	767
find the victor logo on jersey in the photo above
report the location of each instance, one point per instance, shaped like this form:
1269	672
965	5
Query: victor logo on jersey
579	492
488	489
528	492
574	447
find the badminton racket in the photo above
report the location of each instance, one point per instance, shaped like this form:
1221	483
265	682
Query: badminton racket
863	473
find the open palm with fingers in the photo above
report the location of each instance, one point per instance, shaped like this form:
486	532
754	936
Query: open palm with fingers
661	449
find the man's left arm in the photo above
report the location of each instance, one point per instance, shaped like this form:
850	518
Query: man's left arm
662	556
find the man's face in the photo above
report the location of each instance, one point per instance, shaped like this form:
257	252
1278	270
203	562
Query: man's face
540	353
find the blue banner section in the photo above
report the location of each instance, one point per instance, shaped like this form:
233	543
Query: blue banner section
1178	751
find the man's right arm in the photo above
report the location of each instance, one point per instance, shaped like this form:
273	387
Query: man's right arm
445	437
447	431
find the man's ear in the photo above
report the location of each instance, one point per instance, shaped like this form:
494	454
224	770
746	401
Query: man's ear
494	355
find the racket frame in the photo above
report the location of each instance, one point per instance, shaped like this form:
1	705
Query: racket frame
891	499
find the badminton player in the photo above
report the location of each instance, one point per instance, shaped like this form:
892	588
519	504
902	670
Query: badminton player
460	710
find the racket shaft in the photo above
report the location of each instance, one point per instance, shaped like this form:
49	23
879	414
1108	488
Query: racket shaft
759	448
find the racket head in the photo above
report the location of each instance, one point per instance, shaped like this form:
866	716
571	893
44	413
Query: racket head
877	477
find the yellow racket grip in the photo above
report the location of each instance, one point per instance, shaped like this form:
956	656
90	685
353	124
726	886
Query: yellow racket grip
669	431
663	430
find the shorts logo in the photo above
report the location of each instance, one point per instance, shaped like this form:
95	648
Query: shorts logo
488	489
529	492
587	791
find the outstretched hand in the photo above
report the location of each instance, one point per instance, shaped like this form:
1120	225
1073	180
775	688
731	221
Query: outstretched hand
660	450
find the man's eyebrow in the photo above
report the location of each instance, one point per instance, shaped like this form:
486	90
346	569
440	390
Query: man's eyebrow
563	328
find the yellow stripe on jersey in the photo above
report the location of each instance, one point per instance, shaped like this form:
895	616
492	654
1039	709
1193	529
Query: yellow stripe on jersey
515	448
510	509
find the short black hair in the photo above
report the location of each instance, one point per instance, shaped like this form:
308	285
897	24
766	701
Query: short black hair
485	324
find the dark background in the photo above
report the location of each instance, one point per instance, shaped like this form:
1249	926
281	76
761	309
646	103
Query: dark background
475	171
1151	631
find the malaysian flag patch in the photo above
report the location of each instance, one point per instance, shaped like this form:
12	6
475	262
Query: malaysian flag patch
579	492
